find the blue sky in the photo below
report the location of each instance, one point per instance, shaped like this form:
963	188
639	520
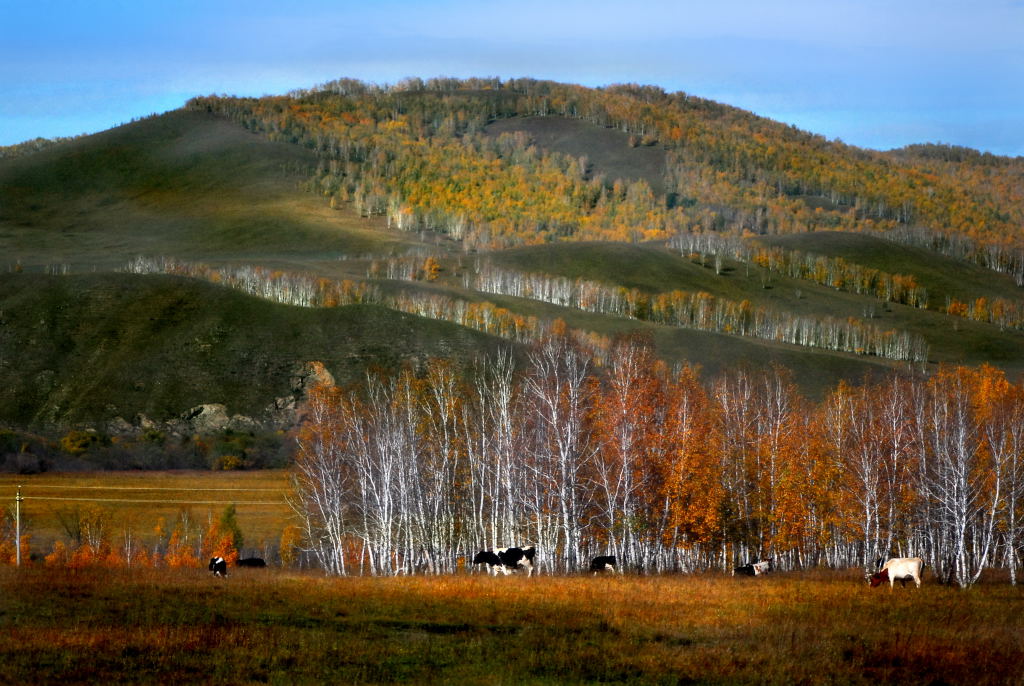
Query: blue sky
873	73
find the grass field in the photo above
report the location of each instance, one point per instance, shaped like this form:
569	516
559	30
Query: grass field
269	626
141	499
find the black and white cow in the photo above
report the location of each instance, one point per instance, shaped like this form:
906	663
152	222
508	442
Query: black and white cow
603	563
507	560
219	566
753	568
251	562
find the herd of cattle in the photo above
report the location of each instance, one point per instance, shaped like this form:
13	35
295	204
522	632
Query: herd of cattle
512	559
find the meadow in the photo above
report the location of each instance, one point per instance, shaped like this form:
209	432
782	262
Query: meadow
141	499
273	626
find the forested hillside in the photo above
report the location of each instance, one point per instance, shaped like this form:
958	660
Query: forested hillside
497	206
419	153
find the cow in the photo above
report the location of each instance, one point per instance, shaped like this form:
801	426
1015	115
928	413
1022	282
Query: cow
251	562
753	568
603	563
219	566
507	560
900	569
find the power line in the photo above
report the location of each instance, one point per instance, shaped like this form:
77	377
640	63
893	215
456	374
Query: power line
165	502
153	488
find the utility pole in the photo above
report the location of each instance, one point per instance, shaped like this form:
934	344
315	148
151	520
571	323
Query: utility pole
17	527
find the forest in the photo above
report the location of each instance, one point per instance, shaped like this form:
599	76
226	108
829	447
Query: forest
418	152
411	473
581	455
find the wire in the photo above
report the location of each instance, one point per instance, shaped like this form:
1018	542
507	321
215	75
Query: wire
150	488
167	502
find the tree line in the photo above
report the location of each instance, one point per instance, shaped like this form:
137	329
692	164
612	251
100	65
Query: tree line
703	311
95	536
834	272
699	311
416	472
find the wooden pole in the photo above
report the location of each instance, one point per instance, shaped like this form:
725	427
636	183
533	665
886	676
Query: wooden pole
17	527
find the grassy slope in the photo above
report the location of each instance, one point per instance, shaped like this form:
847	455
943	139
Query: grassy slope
269	626
942	276
607	150
654	270
186	184
99	346
194	186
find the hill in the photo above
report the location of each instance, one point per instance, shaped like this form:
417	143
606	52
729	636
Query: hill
944	277
411	192
188	184
89	348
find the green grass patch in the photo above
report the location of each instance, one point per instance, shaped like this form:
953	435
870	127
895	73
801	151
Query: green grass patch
94	347
186	184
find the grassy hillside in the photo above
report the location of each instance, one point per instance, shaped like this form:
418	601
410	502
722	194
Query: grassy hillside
654	270
187	184
943	276
608	152
309	185
87	348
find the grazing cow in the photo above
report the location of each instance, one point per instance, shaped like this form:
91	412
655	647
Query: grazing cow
753	568
251	562
507	560
219	566
603	563
900	569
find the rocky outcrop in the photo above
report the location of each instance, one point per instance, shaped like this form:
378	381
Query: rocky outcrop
207	419
211	418
284	412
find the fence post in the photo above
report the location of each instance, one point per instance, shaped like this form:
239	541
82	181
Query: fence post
17	527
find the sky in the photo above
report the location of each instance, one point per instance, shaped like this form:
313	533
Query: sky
874	73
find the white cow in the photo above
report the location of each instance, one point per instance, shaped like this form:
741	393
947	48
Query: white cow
900	569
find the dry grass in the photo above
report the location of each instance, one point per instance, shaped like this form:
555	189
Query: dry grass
208	490
160	626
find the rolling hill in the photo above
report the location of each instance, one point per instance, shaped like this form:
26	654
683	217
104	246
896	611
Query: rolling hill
184	183
544	181
88	348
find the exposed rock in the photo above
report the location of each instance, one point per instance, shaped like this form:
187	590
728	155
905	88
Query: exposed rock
284	412
207	419
119	426
211	418
144	422
243	424
308	375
